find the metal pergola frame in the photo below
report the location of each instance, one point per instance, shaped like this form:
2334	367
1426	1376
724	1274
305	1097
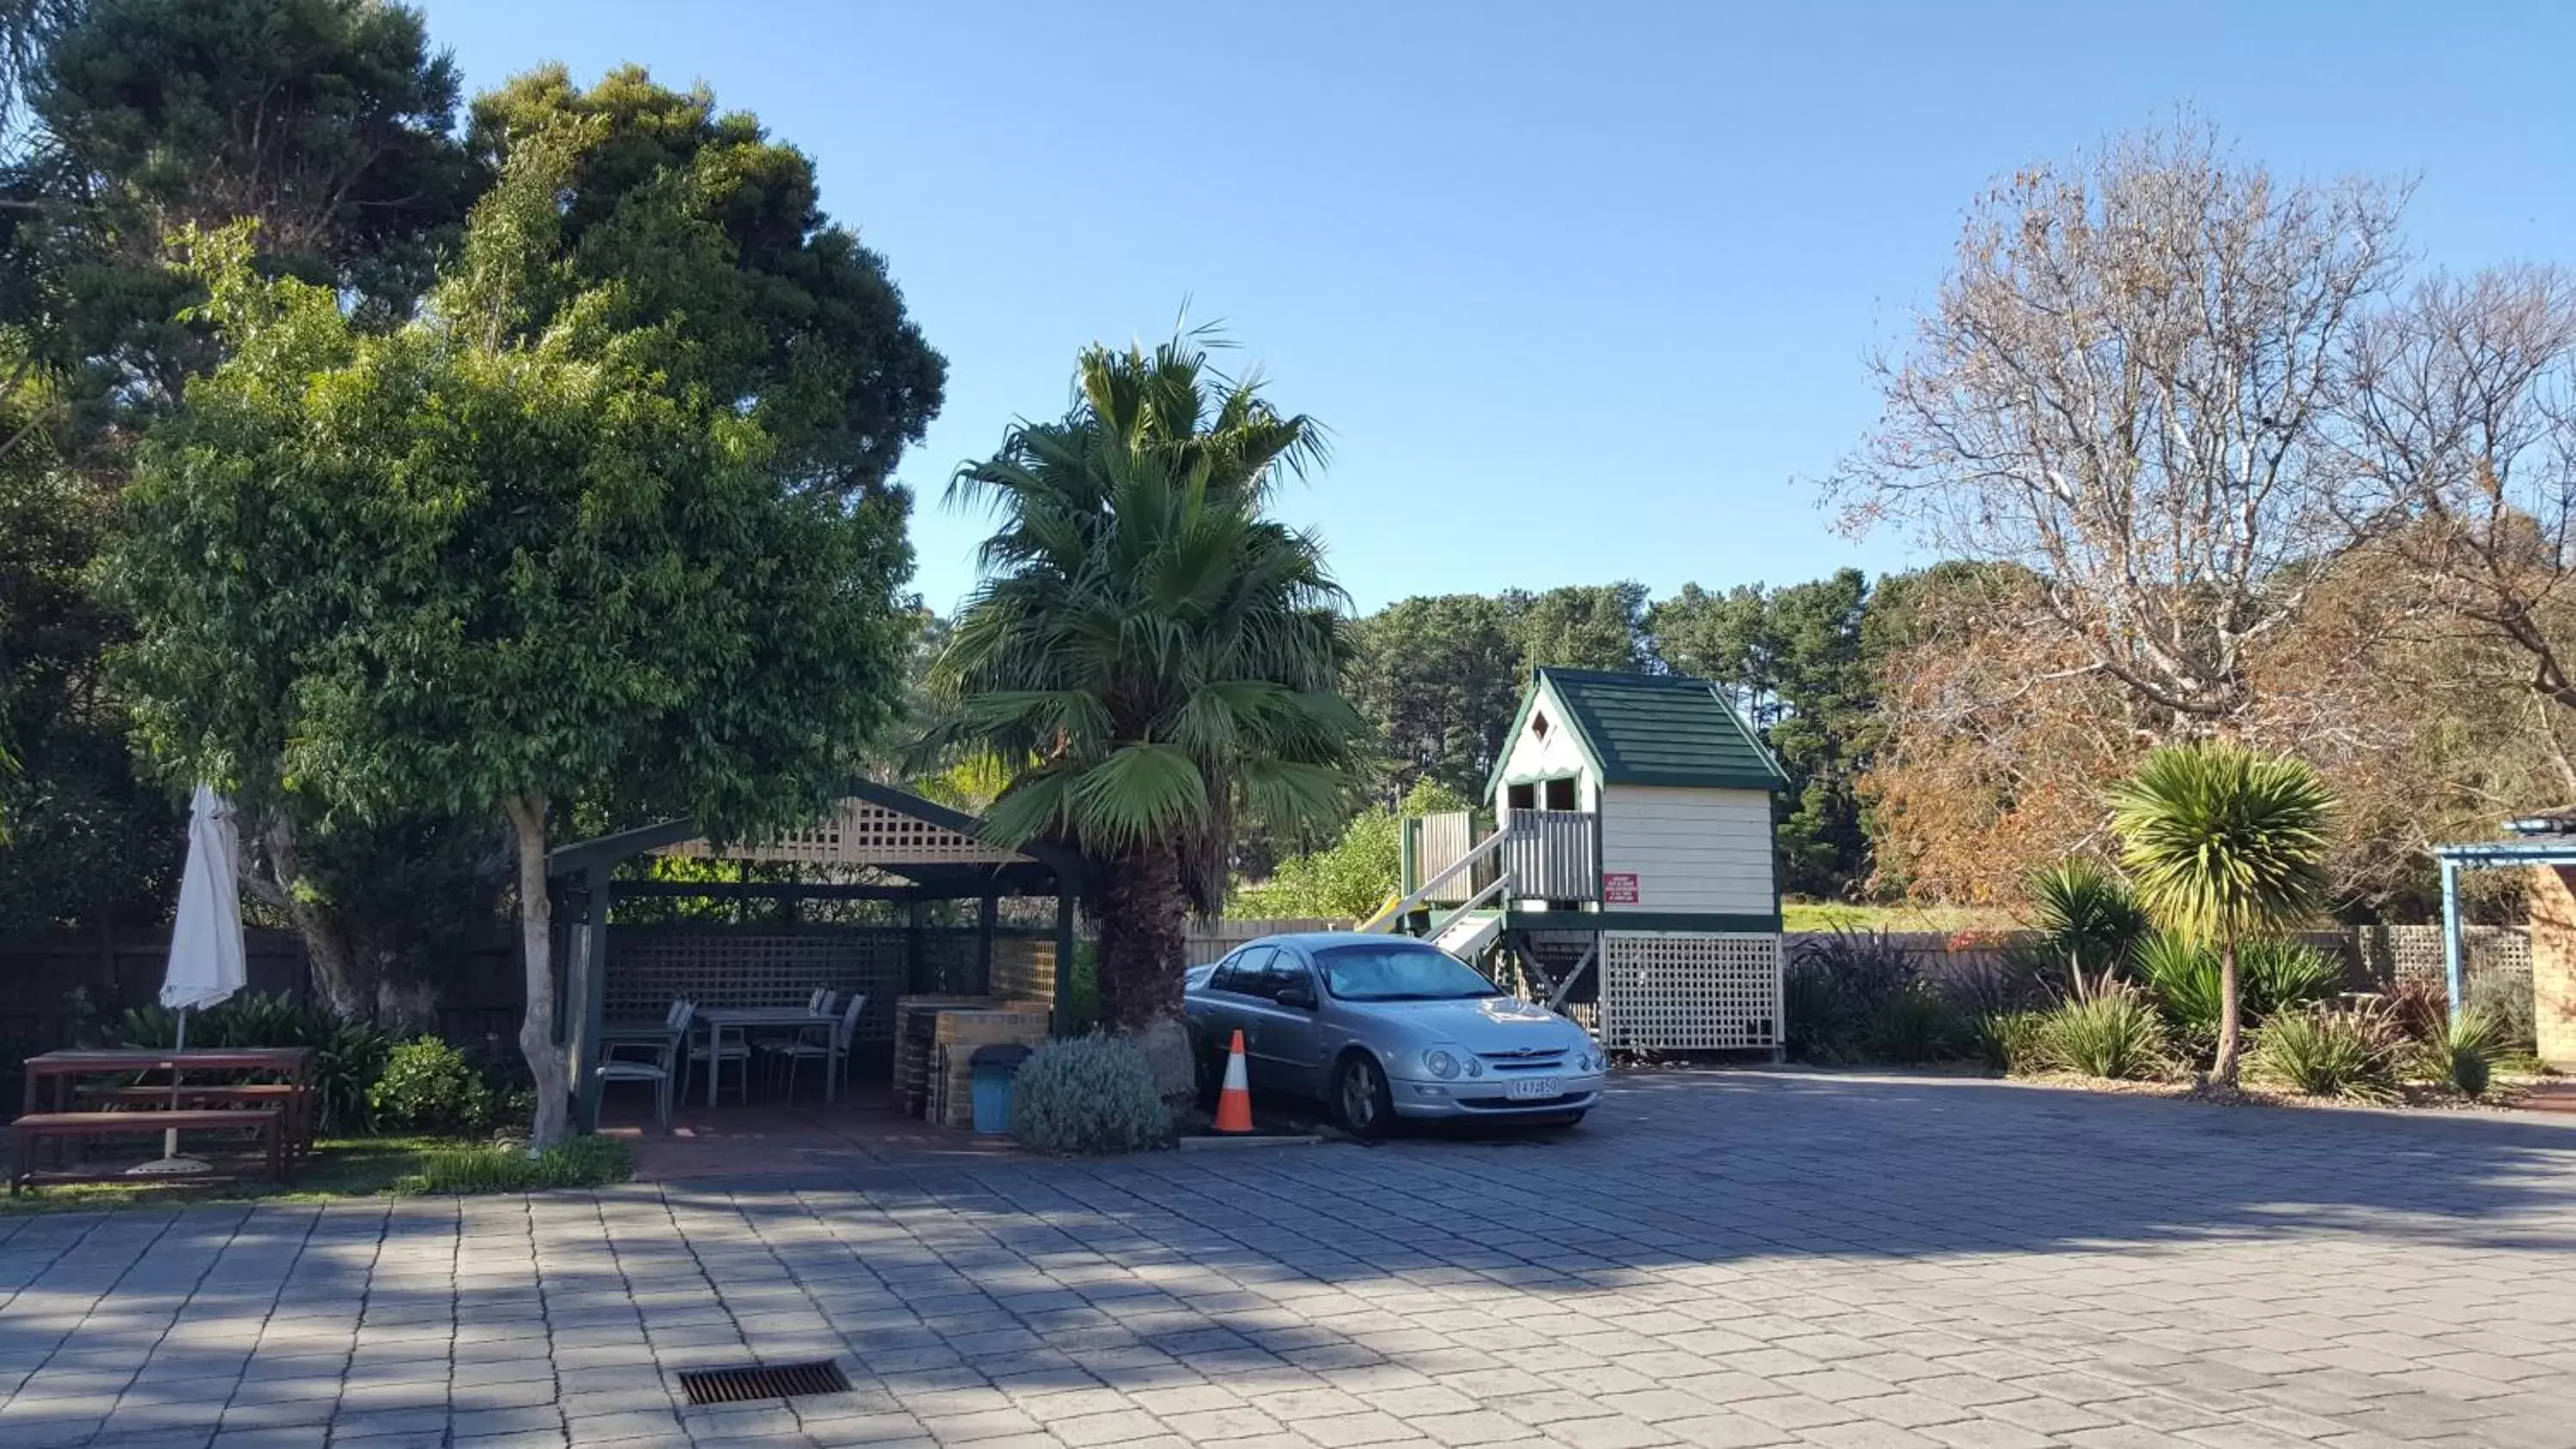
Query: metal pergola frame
2550	849
1033	869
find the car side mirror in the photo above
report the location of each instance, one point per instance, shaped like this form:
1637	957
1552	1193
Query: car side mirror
1300	997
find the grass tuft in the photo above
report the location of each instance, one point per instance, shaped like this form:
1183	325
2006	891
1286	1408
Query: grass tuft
574	1162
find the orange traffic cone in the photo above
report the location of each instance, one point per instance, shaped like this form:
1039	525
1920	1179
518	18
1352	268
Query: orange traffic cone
1234	1100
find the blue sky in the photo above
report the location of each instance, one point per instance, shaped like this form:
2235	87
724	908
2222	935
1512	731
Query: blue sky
1581	290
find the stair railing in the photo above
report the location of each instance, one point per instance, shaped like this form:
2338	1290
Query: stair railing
1384	921
1501	882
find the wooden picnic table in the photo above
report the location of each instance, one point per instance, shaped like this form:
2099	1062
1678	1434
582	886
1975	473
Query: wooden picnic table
54	1073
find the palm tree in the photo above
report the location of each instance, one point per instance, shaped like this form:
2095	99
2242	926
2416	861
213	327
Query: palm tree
1164	655
2223	843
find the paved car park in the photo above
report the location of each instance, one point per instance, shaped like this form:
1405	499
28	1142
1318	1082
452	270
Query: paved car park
1716	1259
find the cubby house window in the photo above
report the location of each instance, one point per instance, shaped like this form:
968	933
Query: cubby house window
1560	794
1520	797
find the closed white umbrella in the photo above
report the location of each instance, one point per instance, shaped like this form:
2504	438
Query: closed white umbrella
206	957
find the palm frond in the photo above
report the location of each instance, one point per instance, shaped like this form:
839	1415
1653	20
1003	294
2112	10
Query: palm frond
2222	842
1141	792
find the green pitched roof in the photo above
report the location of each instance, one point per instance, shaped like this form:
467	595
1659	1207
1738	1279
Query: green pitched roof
1658	729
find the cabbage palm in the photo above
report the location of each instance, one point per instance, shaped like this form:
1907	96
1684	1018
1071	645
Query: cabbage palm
1164	654
2222	843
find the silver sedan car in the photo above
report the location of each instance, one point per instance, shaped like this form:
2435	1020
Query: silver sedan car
1387	1028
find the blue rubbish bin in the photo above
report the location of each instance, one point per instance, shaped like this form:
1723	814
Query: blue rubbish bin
991	1069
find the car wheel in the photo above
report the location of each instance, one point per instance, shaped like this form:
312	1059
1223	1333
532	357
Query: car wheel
1362	1100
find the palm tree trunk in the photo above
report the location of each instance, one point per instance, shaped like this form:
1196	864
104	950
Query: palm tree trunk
1141	940
2222	1069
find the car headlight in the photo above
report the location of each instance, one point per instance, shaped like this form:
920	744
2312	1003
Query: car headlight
1440	1063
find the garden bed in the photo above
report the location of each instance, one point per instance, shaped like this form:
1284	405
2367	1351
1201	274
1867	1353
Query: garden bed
344	1168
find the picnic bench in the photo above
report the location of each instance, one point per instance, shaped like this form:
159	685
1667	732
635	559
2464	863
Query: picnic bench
35	1128
287	1097
278	1113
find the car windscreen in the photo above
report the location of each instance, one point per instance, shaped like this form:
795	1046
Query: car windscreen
1399	973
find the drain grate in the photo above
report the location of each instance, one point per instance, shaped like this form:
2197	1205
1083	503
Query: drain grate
763	1381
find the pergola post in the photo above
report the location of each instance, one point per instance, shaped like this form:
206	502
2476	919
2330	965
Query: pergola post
2451	945
916	919
589	1001
1063	1014
988	912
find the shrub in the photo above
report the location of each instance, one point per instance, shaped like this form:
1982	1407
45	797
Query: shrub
2005	981
2465	1052
2331	1051
2272	976
1088	1094
2014	1042
2088	921
347	1061
428	1086
573	1162
1833	988
2505	1001
2113	1033
2421	1009
1914	1024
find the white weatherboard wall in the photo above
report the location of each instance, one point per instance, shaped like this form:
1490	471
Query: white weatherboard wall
1554	754
1690	849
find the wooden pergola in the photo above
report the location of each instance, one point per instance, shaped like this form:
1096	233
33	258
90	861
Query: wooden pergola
914	851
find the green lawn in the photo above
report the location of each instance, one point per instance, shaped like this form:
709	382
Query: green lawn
1842	916
350	1167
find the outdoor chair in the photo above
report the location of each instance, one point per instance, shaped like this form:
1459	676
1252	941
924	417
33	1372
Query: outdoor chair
834	1052
770	1044
660	1062
712	1049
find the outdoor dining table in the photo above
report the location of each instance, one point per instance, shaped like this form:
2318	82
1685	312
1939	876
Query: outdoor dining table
739	1019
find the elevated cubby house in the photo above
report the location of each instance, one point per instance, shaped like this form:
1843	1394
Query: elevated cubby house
1628	876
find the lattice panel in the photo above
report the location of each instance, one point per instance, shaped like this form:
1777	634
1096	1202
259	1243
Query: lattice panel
2414	953
862	832
1689	991
649	965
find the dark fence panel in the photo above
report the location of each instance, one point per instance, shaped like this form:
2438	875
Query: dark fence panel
55	988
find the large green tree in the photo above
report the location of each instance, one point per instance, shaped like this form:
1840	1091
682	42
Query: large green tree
1438	678
328	121
496	562
1164	653
705	223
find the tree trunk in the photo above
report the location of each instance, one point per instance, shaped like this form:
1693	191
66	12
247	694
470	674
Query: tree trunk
536	938
274	876
1141	940
2222	1070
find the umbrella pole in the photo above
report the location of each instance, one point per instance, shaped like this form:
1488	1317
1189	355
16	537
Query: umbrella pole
170	1139
170	1162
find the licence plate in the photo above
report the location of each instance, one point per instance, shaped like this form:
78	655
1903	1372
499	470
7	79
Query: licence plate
1526	1089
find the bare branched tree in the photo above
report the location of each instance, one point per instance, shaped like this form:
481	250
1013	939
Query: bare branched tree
2129	387
2463	443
